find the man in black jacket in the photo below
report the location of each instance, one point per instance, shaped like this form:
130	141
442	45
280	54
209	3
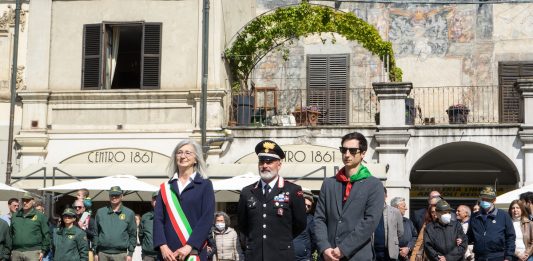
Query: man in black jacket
272	210
444	239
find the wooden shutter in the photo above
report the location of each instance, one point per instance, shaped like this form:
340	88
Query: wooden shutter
92	57
338	85
327	86
151	56
510	104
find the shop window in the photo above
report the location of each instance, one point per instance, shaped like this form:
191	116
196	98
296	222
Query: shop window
121	56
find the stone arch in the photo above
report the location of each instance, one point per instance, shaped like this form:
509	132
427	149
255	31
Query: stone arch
464	162
272	29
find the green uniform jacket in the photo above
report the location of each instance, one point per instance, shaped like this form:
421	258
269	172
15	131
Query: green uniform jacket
5	241
146	234
117	231
70	244
30	231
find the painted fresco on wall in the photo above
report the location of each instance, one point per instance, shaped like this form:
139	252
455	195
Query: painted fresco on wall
419	30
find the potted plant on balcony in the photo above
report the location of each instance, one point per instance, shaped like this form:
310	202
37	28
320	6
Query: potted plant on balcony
308	115
243	103
458	114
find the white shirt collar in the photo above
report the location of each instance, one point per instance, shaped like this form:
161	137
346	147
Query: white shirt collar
271	183
191	178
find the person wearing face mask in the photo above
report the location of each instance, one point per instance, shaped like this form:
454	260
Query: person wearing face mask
491	230
227	241
444	239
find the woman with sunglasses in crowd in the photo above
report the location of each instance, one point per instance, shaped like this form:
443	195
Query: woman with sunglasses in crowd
69	242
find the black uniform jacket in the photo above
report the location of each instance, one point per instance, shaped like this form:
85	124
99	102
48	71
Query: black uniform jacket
270	223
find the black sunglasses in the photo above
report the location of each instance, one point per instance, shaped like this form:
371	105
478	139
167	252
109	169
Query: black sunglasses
78	207
353	151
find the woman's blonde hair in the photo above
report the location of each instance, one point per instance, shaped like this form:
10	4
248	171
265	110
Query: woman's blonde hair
199	167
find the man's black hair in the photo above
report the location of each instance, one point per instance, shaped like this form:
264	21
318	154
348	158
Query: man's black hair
363	144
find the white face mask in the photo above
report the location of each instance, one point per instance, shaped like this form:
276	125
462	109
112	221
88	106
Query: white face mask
446	218
220	226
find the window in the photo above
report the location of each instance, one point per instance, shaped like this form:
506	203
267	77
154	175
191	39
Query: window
327	85
508	73
121	56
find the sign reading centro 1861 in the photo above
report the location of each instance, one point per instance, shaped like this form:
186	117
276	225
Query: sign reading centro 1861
118	155
303	154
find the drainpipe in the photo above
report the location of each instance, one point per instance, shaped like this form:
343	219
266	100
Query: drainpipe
205	60
14	66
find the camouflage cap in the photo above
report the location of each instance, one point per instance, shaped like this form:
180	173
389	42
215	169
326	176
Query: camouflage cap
115	191
69	212
442	205
27	195
488	192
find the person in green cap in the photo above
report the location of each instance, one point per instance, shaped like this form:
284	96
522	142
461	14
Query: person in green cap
146	233
30	232
69	242
116	229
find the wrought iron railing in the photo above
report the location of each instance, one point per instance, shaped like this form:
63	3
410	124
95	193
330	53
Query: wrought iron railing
455	105
269	106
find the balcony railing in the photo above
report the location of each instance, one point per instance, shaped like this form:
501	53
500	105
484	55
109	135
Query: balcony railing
455	105
269	106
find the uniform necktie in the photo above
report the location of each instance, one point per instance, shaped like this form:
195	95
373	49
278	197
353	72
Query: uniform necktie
267	188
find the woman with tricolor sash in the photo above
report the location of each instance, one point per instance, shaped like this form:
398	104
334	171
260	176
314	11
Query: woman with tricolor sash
185	206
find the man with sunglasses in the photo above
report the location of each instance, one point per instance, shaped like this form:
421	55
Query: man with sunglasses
271	211
349	207
85	222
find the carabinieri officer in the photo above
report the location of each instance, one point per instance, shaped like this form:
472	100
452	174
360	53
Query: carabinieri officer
272	210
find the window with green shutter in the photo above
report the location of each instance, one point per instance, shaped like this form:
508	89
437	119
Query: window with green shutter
121	56
327	87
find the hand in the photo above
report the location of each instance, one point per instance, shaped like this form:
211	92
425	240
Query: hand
442	258
404	251
128	258
95	257
166	253
182	252
328	255
209	249
337	253
459	241
41	256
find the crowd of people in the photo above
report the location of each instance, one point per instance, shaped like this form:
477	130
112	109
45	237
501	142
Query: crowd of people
349	220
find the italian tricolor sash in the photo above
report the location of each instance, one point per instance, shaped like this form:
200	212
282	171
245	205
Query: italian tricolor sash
177	216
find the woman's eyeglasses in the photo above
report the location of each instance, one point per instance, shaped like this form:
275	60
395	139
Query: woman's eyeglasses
352	151
185	153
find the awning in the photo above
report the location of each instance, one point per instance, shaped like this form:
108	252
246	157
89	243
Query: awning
43	175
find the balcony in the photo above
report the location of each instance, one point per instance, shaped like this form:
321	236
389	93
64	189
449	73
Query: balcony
443	105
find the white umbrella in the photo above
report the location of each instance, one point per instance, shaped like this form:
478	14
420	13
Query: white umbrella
134	189
236	183
505	199
7	192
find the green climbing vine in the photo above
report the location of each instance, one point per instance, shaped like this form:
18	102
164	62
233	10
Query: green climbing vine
273	29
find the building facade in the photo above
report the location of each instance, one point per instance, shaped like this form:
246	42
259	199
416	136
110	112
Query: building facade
109	91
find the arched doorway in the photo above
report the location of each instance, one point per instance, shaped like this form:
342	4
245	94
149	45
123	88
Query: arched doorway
458	170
